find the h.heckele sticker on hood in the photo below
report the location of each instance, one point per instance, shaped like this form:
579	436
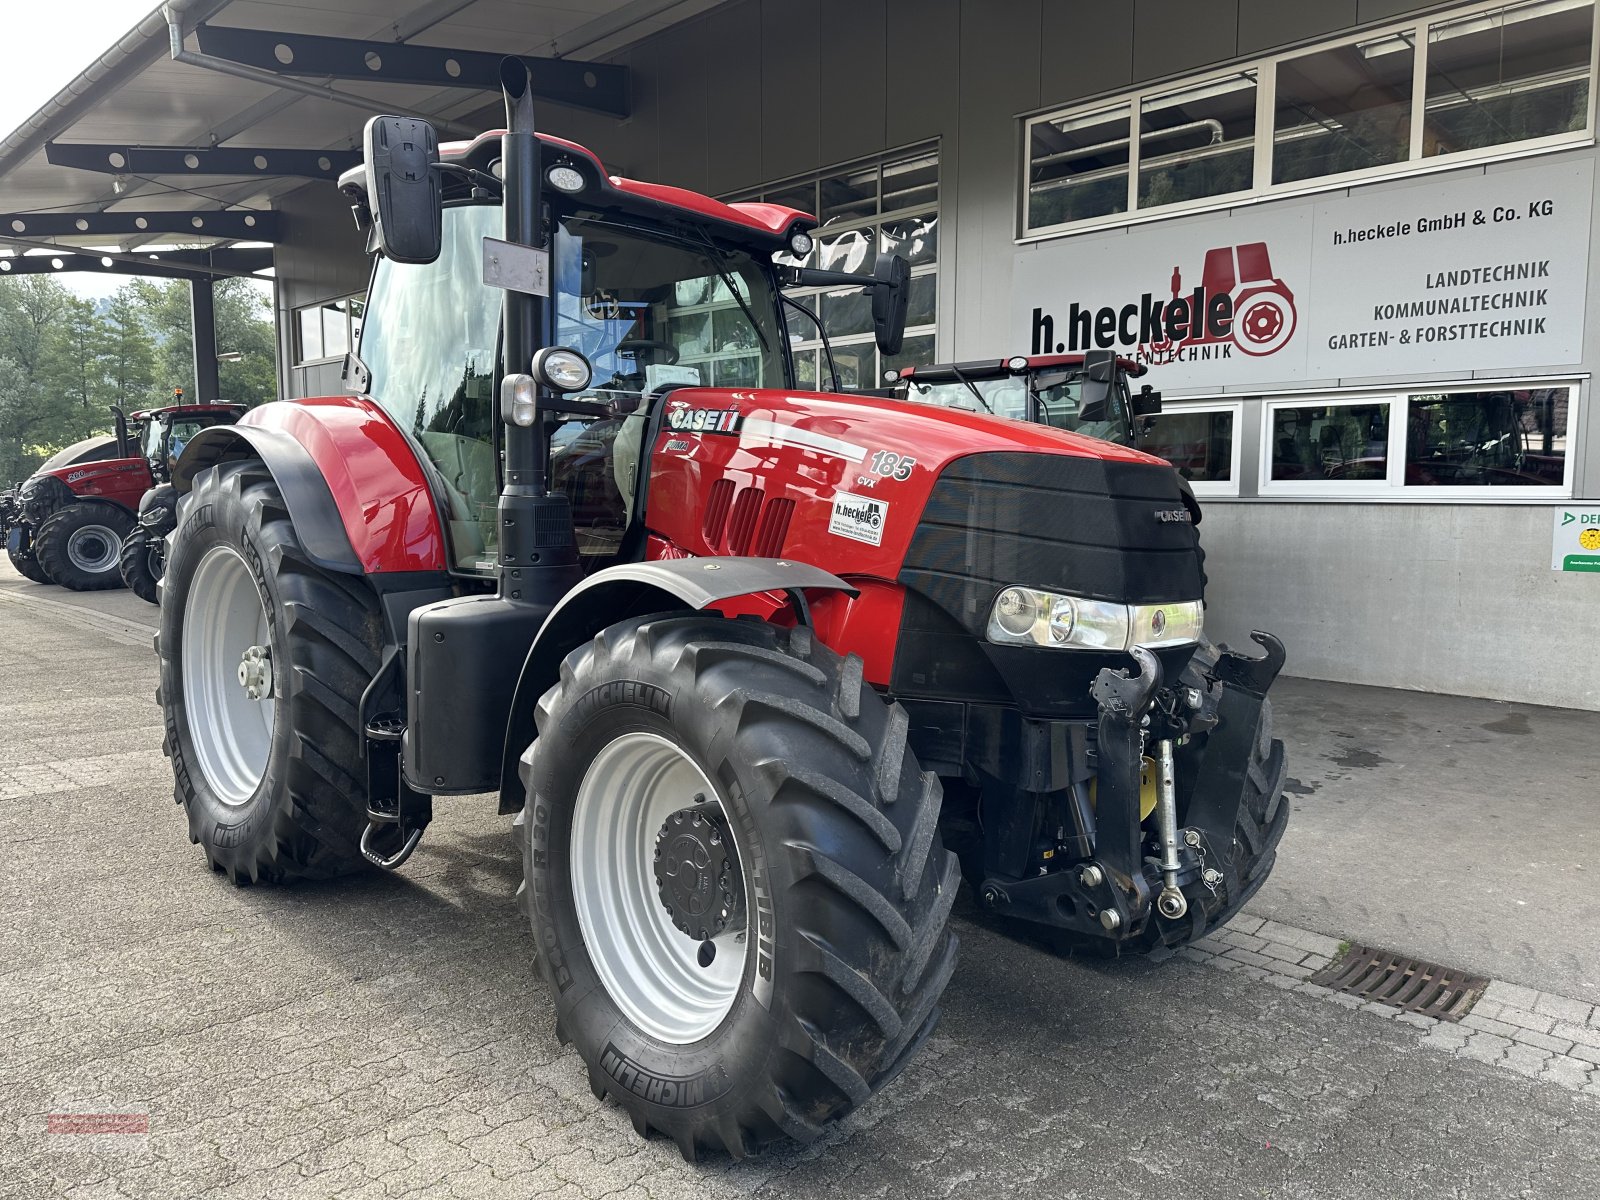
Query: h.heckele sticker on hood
859	518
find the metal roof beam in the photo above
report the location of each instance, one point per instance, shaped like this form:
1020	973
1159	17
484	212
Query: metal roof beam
598	87
114	159
242	262
229	225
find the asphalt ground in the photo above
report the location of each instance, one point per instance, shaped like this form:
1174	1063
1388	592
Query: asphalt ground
387	1036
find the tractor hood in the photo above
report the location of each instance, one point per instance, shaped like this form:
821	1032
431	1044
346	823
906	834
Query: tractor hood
830	478
101	446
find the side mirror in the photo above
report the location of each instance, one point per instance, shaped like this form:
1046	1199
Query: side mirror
1099	377
403	189
1146	402
891	294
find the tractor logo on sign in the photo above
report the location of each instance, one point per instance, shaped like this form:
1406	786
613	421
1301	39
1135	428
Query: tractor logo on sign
1239	305
1260	305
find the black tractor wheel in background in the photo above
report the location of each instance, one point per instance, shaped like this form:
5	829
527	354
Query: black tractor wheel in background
734	875
264	658
19	549
78	546
141	563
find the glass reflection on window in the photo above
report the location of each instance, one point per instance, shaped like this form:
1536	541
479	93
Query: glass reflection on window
1331	442
1487	439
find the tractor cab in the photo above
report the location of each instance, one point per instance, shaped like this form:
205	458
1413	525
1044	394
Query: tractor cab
161	434
1088	394
648	289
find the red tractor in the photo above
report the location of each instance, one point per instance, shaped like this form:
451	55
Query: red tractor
73	515
731	717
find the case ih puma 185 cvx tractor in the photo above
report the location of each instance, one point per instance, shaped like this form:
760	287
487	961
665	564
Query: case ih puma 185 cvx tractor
80	520
724	647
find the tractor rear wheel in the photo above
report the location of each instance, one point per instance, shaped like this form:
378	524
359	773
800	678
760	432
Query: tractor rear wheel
735	879
141	562
19	549
264	659
77	546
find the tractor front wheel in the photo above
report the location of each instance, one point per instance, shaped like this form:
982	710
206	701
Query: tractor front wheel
264	659
77	546
142	561
735	879
19	549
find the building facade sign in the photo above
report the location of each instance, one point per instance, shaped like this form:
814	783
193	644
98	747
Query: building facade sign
1460	272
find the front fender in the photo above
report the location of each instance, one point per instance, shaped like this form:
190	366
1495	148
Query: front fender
635	590
349	477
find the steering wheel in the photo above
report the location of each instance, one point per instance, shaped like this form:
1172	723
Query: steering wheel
638	348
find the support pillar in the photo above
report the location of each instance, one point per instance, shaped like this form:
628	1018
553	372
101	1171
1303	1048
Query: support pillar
203	318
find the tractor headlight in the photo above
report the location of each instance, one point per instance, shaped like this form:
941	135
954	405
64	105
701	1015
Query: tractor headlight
1029	617
561	369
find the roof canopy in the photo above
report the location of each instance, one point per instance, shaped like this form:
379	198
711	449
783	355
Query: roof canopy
163	148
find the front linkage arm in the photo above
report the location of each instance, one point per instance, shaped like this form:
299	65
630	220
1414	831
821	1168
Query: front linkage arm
1113	894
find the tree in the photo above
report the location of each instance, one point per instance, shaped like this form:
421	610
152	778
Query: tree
244	326
75	367
129	359
34	419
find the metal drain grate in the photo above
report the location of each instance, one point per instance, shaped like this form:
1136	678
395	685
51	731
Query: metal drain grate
1409	984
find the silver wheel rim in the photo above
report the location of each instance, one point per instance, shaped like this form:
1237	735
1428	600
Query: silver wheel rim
649	967
222	620
93	549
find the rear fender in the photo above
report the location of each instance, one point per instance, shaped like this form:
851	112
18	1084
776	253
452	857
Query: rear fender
634	590
357	494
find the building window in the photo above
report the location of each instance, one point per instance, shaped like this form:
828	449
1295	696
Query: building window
1201	441
329	330
1446	443
1497	438
883	206
1329	443
1469	86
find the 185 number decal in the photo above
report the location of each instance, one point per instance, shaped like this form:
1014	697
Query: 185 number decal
891	465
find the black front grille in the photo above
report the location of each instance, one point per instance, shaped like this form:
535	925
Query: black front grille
1114	531
1106	530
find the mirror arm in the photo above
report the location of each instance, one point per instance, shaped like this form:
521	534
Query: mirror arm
813	277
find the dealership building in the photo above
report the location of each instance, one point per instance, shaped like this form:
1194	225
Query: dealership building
1352	240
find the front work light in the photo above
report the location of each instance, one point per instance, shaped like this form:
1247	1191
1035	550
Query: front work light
1029	617
565	179
519	400
800	243
561	369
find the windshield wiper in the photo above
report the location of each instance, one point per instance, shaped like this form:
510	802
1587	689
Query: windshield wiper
727	281
973	388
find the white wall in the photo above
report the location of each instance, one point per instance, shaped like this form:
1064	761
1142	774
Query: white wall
1437	598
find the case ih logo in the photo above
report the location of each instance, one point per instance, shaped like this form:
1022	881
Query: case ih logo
1240	304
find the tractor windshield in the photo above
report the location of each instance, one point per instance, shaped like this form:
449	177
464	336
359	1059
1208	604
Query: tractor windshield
429	340
647	310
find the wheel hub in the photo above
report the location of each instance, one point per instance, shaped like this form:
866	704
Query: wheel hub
255	672
697	873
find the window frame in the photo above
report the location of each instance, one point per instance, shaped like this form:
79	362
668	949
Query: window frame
1213	488
352	334
812	298
1393	486
1266	69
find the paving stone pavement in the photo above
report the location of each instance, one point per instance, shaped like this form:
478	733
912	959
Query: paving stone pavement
387	1036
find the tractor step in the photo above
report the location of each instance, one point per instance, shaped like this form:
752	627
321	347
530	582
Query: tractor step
396	813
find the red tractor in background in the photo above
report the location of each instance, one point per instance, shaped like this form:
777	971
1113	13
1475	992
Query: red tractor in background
798	637
72	517
1049	389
